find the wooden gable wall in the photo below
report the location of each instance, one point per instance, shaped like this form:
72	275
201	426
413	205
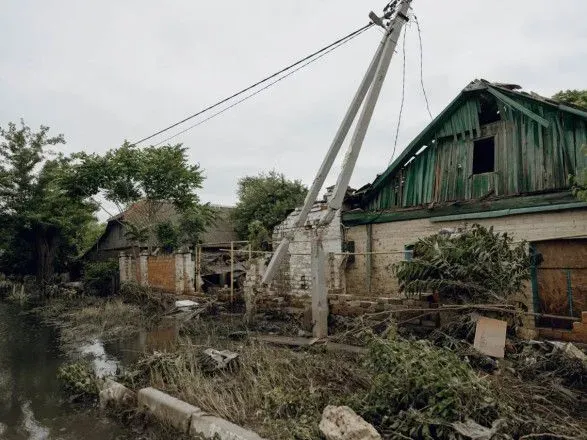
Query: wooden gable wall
528	157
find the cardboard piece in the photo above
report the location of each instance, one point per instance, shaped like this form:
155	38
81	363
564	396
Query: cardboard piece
490	337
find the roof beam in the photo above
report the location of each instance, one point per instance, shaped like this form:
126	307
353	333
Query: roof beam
525	110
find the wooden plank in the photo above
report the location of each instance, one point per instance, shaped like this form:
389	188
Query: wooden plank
490	337
521	108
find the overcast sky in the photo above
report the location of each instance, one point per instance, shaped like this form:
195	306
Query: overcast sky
104	71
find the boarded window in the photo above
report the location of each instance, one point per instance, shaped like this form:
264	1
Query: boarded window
484	156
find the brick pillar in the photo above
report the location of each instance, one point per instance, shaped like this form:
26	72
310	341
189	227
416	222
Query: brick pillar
251	286
189	268
144	268
179	273
125	267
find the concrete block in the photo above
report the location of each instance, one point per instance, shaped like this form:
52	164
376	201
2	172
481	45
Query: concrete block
116	395
168	409
211	427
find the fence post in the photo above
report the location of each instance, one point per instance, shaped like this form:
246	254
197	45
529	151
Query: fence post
189	272
124	267
198	267
179	273
231	272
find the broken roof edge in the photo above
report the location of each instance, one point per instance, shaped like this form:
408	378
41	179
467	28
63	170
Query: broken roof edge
498	90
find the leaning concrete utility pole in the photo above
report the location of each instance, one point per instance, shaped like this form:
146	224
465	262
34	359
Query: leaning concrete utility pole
370	87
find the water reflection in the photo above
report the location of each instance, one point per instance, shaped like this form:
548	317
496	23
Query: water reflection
103	364
31	403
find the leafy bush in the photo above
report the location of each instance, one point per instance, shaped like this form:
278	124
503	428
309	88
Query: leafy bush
418	390
472	265
78	379
99	277
150	301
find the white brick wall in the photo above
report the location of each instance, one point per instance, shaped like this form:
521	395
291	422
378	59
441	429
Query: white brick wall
392	237
296	276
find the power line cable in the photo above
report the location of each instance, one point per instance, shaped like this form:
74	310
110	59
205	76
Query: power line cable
401	108
422	67
297	63
260	90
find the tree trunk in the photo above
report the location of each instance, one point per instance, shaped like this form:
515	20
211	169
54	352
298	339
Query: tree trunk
46	241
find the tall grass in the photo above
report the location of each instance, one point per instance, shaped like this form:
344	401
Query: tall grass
278	392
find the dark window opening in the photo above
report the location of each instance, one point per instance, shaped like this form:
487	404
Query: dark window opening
489	112
484	156
349	246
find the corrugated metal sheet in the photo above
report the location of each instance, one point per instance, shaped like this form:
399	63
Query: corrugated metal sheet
529	157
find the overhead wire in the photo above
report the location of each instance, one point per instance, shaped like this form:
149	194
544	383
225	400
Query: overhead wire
422	66
247	97
325	49
401	108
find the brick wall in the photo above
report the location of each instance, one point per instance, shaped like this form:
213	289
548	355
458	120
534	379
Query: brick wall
173	273
348	286
161	272
295	275
393	237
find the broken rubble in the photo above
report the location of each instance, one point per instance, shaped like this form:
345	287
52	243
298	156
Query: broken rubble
219	359
116	395
342	423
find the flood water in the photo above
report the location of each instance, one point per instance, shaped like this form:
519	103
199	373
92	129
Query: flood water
32	405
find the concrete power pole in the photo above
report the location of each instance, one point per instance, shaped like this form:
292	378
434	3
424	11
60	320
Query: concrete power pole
368	92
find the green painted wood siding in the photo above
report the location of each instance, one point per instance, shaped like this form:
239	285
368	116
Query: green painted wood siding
528	157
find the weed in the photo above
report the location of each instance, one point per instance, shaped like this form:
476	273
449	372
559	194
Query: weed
78	379
278	392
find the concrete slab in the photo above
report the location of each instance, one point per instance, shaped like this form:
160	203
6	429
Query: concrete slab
114	394
168	409
211	427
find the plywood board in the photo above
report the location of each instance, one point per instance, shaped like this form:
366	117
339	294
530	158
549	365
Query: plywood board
490	337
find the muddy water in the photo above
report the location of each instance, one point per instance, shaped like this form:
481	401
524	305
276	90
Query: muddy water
32	405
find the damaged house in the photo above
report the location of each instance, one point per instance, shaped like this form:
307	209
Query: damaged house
496	156
214	265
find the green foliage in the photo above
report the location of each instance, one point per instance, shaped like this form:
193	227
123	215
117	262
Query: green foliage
156	175
88	234
99	276
194	221
167	235
417	390
78	379
136	234
267	198
472	265
572	97
259	236
39	219
579	182
150	302
128	174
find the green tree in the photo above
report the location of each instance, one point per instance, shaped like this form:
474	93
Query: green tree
572	97
39	219
265	199
156	176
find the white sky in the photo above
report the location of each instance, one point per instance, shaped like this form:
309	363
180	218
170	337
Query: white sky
101	72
